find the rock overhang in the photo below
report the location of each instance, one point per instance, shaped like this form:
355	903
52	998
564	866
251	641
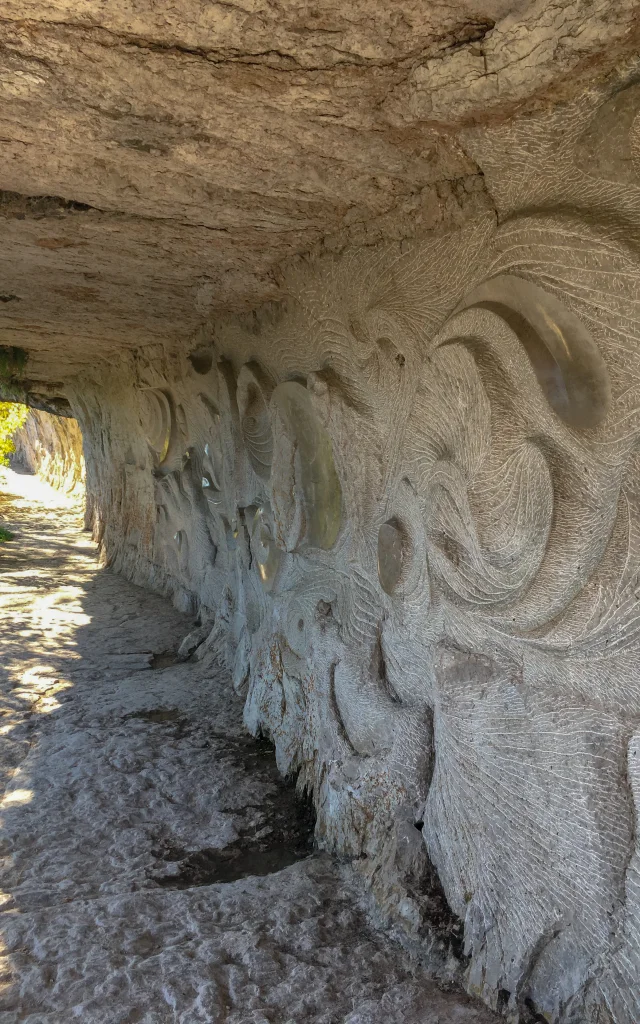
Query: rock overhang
161	169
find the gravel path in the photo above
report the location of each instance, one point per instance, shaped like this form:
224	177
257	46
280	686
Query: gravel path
155	868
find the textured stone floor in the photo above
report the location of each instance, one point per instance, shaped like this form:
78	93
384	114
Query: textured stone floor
126	789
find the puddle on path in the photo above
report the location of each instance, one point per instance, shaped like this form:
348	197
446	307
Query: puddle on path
165	659
284	834
241	859
158	716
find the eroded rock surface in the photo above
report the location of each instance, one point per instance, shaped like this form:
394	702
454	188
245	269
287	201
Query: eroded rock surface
160	163
400	495
405	503
116	777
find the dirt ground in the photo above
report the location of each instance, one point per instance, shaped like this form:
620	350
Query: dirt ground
154	866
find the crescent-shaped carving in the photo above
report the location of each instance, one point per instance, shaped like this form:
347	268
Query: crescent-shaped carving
564	356
157	420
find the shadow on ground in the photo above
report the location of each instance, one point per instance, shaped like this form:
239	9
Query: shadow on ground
155	867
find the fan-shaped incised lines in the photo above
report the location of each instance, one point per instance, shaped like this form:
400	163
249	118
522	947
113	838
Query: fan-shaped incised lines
252	395
310	478
213	411
369	711
521	513
347	388
566	360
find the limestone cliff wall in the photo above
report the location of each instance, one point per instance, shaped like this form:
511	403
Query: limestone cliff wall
406	501
51	447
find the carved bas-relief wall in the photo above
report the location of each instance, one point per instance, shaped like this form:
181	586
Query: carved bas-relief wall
408	505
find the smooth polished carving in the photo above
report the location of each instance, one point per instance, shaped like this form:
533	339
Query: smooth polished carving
566	360
156	421
392	553
306	495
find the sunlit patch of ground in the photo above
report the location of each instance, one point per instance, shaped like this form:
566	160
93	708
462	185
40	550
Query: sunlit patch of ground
128	794
42	574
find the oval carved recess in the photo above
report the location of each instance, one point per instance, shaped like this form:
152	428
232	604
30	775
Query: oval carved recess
306	491
157	420
564	356
392	555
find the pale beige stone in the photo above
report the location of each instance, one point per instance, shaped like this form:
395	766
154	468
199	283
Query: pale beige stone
346	302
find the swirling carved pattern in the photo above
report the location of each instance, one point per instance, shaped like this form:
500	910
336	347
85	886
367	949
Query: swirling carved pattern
252	396
426	522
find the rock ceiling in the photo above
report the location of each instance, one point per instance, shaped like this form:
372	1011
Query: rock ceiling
161	163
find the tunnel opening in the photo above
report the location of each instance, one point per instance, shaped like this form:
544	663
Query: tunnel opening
49	445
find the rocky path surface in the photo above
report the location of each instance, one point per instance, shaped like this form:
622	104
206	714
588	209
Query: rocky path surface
155	868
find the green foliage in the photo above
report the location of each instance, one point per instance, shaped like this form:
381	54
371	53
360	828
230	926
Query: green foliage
12	417
5	535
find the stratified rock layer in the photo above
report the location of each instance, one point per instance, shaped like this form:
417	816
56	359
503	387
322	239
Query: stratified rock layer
159	163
